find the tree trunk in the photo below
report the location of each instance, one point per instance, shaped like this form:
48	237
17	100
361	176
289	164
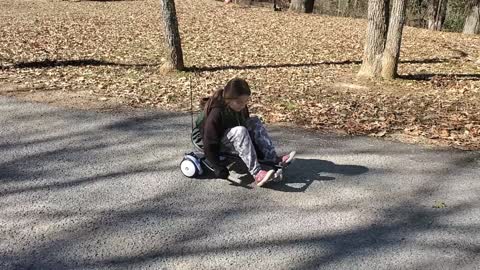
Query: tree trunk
309	5
436	12
375	38
342	7
303	6
472	22
172	36
394	40
352	8
297	6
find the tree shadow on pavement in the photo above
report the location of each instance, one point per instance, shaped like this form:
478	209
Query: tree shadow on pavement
62	150
95	195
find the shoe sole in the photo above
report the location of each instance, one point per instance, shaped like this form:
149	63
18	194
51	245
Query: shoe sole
290	158
267	178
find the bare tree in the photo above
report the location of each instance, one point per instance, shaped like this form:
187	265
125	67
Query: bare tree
375	39
275	6
351	8
436	13
172	37
346	7
383	40
304	6
472	22
394	39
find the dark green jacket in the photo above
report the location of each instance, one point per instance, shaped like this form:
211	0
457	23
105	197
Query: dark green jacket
208	131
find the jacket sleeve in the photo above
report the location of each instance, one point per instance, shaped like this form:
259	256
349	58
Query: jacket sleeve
212	136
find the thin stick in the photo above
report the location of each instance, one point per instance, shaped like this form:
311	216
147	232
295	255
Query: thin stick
191	99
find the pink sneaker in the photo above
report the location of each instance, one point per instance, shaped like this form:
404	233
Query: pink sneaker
287	159
263	177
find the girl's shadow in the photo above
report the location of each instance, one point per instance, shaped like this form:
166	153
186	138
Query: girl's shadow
301	174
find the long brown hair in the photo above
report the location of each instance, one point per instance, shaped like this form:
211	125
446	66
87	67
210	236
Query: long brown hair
235	88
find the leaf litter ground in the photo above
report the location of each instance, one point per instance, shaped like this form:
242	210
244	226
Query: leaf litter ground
301	67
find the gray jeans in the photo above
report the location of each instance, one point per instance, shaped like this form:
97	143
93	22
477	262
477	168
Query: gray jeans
243	140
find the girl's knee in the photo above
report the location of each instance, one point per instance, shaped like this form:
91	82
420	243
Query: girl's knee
253	121
254	118
239	131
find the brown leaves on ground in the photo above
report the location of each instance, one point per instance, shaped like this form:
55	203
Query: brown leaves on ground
301	67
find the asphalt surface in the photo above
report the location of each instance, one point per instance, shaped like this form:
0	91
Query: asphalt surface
88	190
